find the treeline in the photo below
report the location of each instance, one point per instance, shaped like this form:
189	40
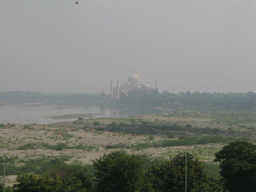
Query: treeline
48	98
173	130
120	171
117	172
206	101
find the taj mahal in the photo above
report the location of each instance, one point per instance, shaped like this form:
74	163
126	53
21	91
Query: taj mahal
133	84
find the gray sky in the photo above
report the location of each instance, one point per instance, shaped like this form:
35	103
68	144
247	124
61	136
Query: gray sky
186	45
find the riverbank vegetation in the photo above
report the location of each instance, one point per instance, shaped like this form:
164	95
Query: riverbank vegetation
162	101
158	139
120	171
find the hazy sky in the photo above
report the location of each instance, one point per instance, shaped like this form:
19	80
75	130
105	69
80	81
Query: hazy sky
186	45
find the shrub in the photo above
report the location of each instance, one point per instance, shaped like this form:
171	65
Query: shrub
96	123
133	121
122	123
151	137
113	124
171	135
28	146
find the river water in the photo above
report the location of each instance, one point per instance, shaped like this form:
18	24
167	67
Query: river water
41	114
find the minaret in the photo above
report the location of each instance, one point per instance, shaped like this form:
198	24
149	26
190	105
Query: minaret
111	88
117	95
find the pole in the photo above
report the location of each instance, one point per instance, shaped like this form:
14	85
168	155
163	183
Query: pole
186	169
4	174
186	172
4	168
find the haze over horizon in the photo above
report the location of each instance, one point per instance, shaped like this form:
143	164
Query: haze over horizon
184	45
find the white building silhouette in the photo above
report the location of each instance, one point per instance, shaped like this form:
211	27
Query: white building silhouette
134	84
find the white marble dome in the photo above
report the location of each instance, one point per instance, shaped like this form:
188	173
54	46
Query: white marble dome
134	80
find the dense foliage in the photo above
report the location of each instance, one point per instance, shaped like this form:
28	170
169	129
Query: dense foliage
120	171
169	176
206	101
46	183
62	178
238	166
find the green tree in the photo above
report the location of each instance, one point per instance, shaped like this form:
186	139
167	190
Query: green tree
96	123
1	187
84	174
120	172
45	183
210	185
113	124
26	183
169	176
238	166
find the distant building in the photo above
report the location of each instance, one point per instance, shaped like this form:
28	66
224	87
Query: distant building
134	84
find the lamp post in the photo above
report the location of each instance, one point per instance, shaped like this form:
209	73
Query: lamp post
4	168
186	169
